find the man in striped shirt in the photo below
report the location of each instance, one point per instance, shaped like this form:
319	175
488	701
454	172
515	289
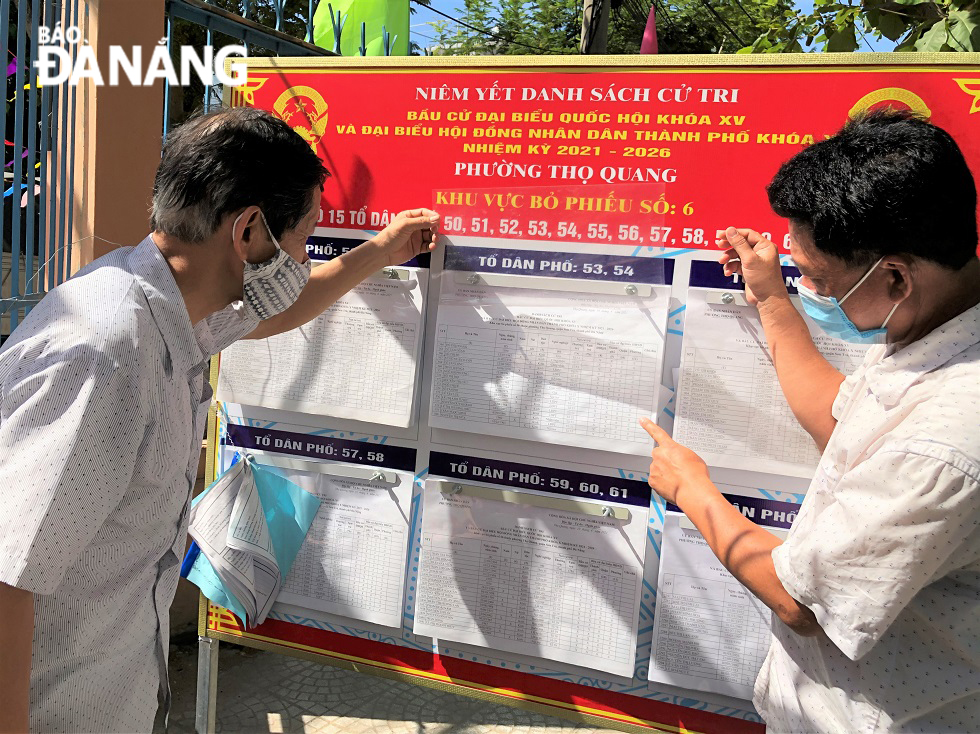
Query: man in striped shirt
103	399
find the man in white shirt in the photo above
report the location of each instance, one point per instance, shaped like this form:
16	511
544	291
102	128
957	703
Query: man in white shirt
103	399
876	589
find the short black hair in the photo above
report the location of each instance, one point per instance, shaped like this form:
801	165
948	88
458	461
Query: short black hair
224	161
889	182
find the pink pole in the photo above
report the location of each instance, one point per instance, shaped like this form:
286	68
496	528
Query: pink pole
649	43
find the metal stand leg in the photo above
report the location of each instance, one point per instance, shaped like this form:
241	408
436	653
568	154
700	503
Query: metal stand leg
207	685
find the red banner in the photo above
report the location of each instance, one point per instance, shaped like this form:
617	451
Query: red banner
553	149
614	157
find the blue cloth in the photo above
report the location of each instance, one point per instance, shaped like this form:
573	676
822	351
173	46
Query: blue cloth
289	512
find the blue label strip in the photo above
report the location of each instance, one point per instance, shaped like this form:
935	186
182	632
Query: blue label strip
574	265
771	513
399	458
707	274
324	249
542	478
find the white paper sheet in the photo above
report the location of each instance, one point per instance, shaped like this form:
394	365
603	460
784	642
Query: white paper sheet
357	360
552	584
247	528
730	409
229	525
353	560
710	633
557	366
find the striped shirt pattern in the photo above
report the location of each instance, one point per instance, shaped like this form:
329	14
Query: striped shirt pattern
886	553
103	404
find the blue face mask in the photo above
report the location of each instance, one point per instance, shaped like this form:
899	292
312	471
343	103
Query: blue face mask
826	311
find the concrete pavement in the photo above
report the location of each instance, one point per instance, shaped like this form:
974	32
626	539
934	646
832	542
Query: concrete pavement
263	693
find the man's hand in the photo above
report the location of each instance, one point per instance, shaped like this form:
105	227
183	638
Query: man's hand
680	476
674	468
412	232
756	260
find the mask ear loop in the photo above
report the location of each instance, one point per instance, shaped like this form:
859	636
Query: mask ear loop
863	278
269	230
890	314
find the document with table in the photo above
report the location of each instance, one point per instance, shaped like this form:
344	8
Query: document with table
353	561
562	366
358	360
710	633
249	525
551	583
730	408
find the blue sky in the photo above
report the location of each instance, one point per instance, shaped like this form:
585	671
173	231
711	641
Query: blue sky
421	28
423	17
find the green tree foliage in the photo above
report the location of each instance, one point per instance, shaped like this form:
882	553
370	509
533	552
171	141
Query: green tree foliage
683	26
914	25
510	27
696	26
713	26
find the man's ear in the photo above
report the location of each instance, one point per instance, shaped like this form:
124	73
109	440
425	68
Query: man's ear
902	270
243	231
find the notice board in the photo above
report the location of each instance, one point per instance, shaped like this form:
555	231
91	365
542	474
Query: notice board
581	198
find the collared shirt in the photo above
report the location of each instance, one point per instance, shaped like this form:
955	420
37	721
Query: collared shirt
886	553
103	404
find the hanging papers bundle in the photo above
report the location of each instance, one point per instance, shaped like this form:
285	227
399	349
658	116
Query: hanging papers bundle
249	526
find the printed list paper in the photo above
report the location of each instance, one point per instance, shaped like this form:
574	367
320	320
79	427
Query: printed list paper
553	584
730	408
557	366
353	561
357	360
710	633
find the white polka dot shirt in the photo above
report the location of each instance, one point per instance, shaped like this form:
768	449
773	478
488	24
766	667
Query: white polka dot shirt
886	553
102	408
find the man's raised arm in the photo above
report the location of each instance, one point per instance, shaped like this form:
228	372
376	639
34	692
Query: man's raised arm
809	382
412	232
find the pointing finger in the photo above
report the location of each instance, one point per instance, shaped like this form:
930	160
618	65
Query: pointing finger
657	433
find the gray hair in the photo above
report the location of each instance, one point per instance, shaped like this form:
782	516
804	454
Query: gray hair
224	161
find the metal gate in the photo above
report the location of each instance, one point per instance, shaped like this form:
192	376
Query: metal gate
38	123
38	162
264	27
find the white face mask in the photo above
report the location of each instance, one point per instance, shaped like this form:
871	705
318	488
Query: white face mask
274	285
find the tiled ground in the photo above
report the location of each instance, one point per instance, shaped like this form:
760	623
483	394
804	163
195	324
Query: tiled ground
259	692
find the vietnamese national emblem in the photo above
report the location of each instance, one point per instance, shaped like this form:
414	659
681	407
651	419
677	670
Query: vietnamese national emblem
971	87
891	97
304	110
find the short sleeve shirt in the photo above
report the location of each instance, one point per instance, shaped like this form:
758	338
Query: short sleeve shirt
103	404
886	552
